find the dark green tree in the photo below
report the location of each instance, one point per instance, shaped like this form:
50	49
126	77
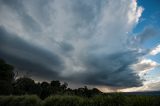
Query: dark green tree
55	84
24	86
45	90
64	86
6	78
55	87
5	88
6	71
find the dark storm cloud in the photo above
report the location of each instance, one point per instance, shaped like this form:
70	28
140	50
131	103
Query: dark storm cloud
28	57
50	40
111	70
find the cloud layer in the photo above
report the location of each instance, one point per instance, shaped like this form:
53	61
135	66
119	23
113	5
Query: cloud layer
82	41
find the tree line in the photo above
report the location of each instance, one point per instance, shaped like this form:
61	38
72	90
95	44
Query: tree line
9	85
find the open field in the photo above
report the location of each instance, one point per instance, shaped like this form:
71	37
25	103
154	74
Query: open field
99	100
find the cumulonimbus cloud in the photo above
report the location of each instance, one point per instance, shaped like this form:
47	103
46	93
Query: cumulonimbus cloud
82	41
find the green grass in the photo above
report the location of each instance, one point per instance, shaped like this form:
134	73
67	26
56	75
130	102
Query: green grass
99	100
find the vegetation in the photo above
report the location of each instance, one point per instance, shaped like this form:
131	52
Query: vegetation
28	93
99	100
20	101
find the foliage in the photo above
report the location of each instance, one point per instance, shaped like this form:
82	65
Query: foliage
20	101
66	100
6	78
6	71
138	100
24	86
63	101
5	87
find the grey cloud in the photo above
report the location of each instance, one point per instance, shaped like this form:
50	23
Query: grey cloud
113	70
87	10
40	11
153	86
28	57
110	70
65	47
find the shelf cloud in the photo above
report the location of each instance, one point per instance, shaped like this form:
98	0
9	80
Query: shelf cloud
82	41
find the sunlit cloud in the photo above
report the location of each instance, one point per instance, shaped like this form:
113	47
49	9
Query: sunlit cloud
145	65
155	50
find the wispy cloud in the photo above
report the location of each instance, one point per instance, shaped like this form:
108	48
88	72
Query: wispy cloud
155	50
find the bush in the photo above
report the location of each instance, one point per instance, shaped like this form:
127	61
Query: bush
142	100
63	101
20	101
5	87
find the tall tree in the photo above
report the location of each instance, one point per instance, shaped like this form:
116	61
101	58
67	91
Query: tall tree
25	86
6	78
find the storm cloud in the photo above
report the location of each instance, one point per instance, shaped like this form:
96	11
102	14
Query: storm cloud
28	57
82	41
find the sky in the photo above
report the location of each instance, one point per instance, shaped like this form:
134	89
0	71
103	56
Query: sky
113	45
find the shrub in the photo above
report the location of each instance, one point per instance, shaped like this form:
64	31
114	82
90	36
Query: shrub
63	101
99	100
20	101
142	100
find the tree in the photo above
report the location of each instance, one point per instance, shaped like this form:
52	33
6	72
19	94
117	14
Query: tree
45	90
5	88
96	91
6	71
64	86
6	78
55	87
55	84
24	86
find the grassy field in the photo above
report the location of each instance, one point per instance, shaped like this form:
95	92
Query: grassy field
100	100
